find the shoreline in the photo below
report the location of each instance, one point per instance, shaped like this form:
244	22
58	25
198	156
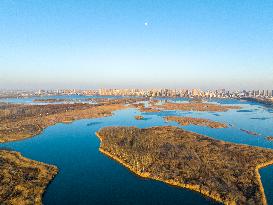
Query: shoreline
191	187
261	187
36	187
53	120
147	175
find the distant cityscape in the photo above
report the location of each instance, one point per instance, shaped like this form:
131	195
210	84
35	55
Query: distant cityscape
186	93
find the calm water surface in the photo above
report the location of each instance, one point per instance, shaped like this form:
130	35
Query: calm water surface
88	177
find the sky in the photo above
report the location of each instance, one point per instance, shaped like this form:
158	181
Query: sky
94	44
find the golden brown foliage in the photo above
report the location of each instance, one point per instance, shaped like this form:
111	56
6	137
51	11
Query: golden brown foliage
139	117
22	121
224	171
196	106
184	121
23	181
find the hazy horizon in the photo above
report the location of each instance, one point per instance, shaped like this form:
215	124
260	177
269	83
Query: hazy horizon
136	44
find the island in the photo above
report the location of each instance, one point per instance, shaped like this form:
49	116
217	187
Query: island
139	117
141	107
22	180
269	138
196	106
250	132
225	172
121	100
53	100
184	121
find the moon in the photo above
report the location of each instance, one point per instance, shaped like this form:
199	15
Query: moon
146	24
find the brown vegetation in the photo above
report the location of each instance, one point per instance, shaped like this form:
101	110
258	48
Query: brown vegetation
224	171
184	121
53	100
139	117
23	181
22	121
196	106
117	100
141	107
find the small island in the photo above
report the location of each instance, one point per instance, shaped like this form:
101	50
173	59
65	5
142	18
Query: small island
226	172
250	132
122	100
23	181
141	107
184	121
139	117
269	138
196	106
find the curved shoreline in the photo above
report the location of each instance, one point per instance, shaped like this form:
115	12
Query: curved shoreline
258	167
147	175
46	121
195	188
39	176
185	121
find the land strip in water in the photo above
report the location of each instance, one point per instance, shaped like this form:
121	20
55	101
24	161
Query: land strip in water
269	138
184	121
195	106
55	100
20	121
23	181
141	107
224	171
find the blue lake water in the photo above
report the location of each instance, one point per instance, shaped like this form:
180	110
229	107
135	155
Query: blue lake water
88	177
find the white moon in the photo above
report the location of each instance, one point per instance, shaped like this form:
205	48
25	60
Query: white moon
146	23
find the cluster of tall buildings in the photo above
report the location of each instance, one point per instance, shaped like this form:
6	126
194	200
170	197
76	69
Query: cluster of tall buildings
187	93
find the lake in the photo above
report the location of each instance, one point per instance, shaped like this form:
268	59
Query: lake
88	177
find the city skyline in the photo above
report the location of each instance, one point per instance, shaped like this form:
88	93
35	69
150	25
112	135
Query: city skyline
146	44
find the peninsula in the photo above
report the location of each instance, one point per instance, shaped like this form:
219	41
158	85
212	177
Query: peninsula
53	100
20	121
184	121
22	180
250	132
226	172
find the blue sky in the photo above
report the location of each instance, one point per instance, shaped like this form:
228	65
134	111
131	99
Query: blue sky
103	43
